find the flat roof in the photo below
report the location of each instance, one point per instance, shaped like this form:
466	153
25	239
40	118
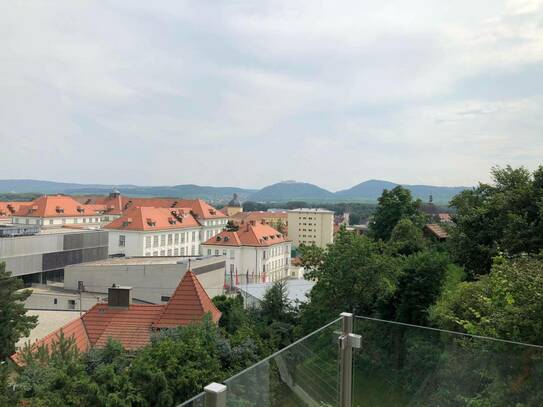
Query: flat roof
312	210
146	260
297	290
48	321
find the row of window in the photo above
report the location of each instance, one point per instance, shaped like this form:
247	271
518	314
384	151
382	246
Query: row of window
44	222
178	251
170	239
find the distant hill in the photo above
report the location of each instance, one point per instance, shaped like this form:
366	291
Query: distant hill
373	189
285	191
291	191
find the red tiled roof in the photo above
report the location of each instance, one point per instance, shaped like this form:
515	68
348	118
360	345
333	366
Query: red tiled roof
437	231
74	329
188	303
256	234
147	219
9	208
259	216
444	217
132	326
49	206
117	204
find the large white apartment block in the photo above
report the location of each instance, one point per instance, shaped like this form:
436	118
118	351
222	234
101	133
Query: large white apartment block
311	226
147	231
255	252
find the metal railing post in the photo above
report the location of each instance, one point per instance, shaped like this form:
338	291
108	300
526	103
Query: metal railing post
215	395
347	341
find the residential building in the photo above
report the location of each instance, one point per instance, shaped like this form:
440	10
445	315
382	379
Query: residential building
133	324
311	226
276	219
152	279
57	211
149	231
255	252
40	255
436	231
234	206
7	209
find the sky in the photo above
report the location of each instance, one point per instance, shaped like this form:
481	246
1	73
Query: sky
250	93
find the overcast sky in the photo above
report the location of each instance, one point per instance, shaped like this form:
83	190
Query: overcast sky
250	93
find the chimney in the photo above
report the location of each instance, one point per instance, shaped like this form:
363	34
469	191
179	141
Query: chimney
118	296
252	222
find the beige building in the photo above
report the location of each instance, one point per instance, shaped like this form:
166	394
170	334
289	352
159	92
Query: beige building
311	226
234	206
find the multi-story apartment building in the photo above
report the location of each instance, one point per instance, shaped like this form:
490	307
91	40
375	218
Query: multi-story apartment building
276	219
255	252
57	211
311	226
148	231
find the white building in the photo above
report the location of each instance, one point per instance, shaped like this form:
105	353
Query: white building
311	226
57	211
256	252
146	231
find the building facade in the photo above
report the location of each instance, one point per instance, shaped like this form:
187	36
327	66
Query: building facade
254	253
276	219
311	226
42	256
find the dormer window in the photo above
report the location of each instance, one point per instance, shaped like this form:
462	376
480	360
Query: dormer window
151	222
80	209
171	221
218	238
59	209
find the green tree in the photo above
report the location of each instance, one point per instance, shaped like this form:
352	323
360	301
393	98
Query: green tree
354	275
406	238
14	323
505	216
231	226
393	206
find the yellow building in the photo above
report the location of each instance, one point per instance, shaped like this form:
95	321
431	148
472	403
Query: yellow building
311	226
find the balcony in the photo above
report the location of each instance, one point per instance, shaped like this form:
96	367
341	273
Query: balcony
359	361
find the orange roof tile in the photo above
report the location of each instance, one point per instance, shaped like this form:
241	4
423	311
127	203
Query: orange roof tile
250	234
74	329
188	303
437	231
9	208
151	219
49	206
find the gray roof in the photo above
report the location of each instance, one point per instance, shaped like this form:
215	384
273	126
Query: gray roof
297	290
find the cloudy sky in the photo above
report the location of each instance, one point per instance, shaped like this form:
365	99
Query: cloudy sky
250	93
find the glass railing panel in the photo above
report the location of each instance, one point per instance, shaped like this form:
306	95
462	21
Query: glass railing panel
405	365
196	401
304	373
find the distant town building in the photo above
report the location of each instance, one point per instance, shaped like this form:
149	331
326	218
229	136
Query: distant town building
296	290
311	226
132	324
147	231
152	278
255	252
234	206
436	231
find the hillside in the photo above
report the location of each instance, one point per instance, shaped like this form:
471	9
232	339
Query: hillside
291	191
372	189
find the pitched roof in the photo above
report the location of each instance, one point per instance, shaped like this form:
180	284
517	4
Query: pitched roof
258	216
132	326
49	206
117	204
188	303
250	234
437	231
9	208
74	329
152	219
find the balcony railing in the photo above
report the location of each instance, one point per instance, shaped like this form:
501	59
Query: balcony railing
395	365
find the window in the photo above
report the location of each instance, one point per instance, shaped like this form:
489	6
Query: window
182	251
209	252
162	240
148	241
163	252
155	240
176	238
264	254
224	253
155	253
55	301
164	298
122	240
50	221
217	252
193	236
71	304
231	268
63	221
75	220
193	250
183	237
169	252
176	252
232	254
170	238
